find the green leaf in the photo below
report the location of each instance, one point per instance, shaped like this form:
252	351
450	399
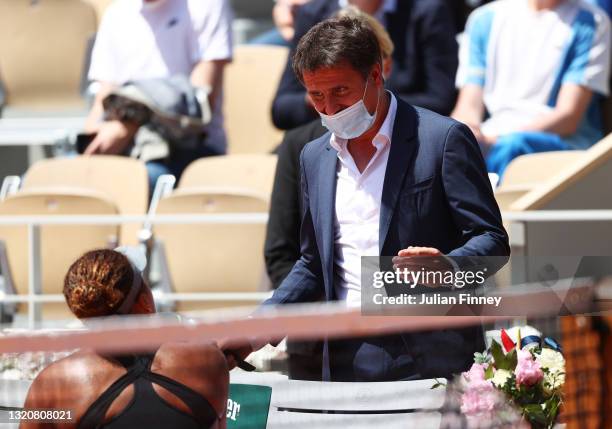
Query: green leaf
498	354
489	372
480	358
552	407
503	361
535	414
438	383
512	359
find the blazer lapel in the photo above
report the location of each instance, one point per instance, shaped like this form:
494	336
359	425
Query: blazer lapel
326	214
401	152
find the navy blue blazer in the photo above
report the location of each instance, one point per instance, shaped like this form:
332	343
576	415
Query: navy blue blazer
436	193
425	58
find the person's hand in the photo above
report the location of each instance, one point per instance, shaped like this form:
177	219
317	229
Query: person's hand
234	350
112	139
423	259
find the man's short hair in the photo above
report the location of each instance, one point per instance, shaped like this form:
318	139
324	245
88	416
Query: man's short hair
336	41
384	40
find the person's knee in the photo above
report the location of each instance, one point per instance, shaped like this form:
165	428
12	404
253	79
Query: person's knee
505	150
512	145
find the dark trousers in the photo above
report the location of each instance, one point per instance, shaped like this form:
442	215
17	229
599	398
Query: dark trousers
411	356
305	360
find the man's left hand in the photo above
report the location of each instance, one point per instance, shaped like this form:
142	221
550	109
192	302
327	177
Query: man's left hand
427	259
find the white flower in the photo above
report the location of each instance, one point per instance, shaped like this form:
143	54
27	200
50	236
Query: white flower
554	362
551	359
500	377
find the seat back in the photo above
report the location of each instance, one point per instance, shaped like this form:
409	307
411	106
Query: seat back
526	172
247	171
121	179
536	168
60	245
213	257
583	185
251	81
42	51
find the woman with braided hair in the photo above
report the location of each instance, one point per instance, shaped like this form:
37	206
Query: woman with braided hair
180	385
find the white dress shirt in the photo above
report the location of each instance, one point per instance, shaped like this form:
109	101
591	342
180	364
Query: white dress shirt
357	217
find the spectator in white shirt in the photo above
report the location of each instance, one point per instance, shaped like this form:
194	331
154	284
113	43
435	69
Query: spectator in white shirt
539	68
144	39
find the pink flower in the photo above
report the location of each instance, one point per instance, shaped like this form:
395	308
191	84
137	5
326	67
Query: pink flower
476	373
479	401
527	371
480	396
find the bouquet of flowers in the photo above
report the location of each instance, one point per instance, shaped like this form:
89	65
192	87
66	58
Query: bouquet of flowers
528	371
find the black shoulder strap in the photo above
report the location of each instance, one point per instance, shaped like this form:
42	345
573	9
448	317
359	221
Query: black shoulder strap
94	416
203	412
140	367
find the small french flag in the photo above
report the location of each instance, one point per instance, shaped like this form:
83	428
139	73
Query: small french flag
507	341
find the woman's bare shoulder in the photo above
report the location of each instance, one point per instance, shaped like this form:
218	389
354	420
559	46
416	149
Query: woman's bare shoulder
69	379
200	366
190	354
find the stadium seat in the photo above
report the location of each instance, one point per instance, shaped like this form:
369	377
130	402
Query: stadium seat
529	171
213	257
248	171
121	179
59	245
248	101
582	185
42	52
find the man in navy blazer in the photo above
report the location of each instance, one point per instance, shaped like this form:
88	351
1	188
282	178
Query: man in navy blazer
425	58
389	179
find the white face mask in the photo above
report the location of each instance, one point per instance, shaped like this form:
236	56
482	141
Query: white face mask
351	122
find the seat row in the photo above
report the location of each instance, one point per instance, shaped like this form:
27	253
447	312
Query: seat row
222	258
198	257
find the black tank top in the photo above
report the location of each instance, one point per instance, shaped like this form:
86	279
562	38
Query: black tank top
147	409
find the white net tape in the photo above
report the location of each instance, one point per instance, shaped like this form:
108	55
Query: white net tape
299	321
308	321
